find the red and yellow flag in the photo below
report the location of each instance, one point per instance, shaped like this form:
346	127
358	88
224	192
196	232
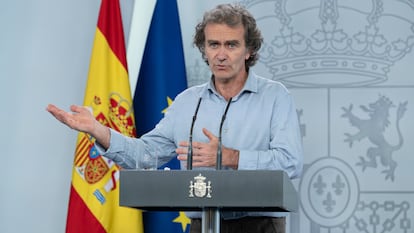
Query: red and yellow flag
94	197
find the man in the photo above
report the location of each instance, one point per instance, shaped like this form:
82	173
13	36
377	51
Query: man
260	131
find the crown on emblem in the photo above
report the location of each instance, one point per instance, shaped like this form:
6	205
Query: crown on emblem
199	178
121	114
313	40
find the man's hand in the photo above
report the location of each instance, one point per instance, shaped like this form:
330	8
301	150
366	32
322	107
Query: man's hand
81	119
205	154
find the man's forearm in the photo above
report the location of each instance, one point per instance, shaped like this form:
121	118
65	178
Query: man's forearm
102	135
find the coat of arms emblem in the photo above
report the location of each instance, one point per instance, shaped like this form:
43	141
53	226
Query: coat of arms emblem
199	187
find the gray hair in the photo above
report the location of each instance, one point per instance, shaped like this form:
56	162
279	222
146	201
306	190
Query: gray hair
231	15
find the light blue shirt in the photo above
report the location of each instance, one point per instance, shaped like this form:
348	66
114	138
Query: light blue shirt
261	123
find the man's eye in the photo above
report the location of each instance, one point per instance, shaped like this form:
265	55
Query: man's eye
232	45
213	45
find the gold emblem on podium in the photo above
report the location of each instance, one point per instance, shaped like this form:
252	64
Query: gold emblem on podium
199	187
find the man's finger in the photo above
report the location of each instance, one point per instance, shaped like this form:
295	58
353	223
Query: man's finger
78	109
183	143
209	134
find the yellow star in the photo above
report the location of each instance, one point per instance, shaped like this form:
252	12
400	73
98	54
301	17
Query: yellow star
169	101
183	219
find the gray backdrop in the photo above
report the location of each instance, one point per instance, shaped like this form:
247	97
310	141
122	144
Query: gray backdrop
347	63
349	66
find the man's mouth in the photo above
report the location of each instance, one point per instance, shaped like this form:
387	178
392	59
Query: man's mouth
221	67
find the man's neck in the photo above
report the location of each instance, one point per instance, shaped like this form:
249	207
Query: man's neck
229	88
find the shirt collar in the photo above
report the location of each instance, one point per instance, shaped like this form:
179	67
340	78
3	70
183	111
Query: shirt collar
249	86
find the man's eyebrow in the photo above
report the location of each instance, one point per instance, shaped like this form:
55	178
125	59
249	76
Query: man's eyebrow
232	42
225	42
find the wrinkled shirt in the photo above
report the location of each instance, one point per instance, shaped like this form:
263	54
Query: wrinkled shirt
261	123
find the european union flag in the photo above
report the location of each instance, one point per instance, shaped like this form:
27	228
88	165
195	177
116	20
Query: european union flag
162	76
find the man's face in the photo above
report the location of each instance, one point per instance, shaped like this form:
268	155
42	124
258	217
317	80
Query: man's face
226	51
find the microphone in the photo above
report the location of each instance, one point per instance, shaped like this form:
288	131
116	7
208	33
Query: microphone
190	141
219	151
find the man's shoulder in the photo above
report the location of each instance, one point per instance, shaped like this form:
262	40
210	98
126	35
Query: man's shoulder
268	83
193	91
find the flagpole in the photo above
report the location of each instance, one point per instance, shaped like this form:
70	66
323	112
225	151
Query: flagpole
140	23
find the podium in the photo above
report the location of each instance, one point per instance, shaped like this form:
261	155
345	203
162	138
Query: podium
208	191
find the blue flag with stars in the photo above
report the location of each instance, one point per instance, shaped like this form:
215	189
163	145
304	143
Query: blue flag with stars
161	77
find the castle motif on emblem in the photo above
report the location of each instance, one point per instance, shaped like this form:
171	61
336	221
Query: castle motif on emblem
199	187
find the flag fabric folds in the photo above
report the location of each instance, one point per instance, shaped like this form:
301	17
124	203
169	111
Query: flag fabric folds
161	77
94	195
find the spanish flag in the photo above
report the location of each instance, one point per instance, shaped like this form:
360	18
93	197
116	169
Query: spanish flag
94	195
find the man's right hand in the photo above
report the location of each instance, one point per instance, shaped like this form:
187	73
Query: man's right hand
81	119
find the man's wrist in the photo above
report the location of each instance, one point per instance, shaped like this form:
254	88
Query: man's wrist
102	135
233	158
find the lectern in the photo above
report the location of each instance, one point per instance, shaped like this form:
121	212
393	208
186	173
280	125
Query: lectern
208	191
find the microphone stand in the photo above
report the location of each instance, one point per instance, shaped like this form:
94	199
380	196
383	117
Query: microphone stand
219	150
211	216
190	141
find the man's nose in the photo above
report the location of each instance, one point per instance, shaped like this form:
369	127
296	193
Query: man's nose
222	54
